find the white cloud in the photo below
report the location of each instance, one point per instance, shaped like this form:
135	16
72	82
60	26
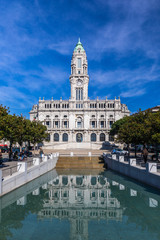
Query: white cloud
133	93
14	97
62	47
125	77
127	30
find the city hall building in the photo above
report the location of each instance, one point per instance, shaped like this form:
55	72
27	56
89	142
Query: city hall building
78	122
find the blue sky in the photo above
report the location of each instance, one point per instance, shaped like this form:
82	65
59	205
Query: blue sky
121	39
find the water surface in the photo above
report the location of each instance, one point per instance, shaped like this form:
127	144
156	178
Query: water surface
81	205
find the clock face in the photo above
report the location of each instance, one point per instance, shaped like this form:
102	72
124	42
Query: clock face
79	83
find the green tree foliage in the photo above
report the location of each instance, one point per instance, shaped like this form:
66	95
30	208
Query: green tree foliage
153	126
3	113
141	128
116	126
38	132
17	129
21	130
10	129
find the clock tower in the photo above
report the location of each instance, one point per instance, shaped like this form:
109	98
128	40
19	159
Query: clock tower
79	75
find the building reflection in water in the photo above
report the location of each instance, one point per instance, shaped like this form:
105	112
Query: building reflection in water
80	199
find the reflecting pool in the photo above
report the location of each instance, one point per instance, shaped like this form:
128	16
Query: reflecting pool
81	205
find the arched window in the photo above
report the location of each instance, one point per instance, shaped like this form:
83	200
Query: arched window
64	180
79	137
102	137
56	137
93	137
93	181
65	137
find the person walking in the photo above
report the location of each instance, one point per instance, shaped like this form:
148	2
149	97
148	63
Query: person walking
41	152
145	154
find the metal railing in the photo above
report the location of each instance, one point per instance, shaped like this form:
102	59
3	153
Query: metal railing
9	171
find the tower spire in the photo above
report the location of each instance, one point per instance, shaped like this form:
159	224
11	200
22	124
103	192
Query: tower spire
79	45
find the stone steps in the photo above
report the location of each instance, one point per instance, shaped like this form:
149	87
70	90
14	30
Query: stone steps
62	171
79	162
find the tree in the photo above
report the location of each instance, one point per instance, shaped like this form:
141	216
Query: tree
21	131
18	129
28	131
10	129
132	129
3	113
38	132
153	126
116	125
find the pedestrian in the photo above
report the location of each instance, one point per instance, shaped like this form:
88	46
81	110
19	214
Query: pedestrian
145	154
41	152
1	160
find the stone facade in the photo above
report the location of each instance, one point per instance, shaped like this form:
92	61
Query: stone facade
78	122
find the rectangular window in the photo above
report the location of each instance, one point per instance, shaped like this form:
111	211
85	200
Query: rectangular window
79	94
79	62
56	124
102	124
79	124
93	124
110	123
65	124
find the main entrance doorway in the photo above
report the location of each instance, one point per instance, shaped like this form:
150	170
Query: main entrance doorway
79	137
